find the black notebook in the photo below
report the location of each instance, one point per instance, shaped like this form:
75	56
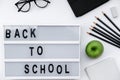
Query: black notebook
81	7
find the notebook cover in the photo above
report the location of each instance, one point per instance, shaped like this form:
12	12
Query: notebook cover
104	70
81	7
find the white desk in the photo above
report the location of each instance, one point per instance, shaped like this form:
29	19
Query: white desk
59	12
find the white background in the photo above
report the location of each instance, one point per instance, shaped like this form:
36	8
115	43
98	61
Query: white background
59	13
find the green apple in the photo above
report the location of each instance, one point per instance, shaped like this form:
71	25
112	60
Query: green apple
94	49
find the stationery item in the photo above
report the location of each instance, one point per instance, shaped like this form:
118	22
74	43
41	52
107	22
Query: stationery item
114	12
108	26
106	31
103	70
111	21
105	35
25	5
81	7
104	40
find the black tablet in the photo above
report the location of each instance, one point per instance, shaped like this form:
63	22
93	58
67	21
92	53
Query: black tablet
80	7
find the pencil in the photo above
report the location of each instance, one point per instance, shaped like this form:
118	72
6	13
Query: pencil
106	30
117	41
105	36
107	26
104	40
111	21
